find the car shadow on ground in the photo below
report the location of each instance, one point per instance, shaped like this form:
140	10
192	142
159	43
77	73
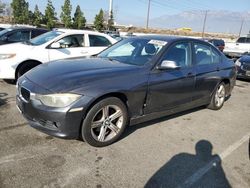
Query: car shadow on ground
191	170
11	82
243	80
2	100
130	129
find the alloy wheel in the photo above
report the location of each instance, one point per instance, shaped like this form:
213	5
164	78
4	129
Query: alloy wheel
220	95
107	123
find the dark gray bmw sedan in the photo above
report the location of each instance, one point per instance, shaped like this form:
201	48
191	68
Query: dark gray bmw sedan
135	80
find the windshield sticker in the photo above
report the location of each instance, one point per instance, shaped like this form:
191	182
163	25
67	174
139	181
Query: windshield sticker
157	42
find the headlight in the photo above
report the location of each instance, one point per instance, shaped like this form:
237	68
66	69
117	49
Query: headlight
238	63
7	56
57	100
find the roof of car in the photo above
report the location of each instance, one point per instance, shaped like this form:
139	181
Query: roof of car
78	31
166	38
21	28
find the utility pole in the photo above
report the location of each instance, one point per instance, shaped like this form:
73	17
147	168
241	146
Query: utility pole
149	2
204	23
110	8
241	26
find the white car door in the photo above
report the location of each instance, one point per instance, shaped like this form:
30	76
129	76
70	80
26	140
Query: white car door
68	47
96	44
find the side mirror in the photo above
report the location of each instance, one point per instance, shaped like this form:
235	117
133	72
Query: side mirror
168	65
55	45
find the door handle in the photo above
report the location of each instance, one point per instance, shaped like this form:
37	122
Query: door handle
83	52
218	69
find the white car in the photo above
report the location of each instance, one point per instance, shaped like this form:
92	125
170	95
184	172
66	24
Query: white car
238	48
16	59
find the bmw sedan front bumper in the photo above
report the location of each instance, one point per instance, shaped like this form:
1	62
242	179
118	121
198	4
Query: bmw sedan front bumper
60	122
243	71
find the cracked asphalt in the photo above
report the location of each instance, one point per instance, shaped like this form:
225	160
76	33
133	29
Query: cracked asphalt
167	152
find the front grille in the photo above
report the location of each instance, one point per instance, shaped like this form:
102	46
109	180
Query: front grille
25	94
245	67
48	124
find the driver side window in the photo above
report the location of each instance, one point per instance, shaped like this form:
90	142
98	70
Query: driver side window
72	41
179	53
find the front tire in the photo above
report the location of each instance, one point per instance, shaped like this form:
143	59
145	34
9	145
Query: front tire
25	68
218	98
105	122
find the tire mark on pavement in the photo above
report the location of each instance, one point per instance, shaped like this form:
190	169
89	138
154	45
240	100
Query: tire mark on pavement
13	127
32	153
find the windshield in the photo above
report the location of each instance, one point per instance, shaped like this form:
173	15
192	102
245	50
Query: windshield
41	39
5	31
136	51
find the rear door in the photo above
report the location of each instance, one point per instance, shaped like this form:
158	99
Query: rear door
169	89
70	46
207	60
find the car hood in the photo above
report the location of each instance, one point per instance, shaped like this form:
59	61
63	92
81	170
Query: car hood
69	75
15	48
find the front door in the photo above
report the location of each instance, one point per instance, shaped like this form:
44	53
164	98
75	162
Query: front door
70	46
169	89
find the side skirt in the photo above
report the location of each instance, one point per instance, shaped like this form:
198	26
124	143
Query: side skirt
156	115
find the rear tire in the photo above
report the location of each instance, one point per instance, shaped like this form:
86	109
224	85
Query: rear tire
105	122
218	97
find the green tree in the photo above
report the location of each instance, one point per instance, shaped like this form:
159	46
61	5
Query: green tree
31	17
37	17
66	14
20	11
99	21
79	20
111	22
50	15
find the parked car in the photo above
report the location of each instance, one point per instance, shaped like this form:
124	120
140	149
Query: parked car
5	26
17	59
218	43
243	67
239	48
19	34
135	80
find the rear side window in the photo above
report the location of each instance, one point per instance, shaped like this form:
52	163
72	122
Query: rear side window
205	55
96	41
215	57
19	36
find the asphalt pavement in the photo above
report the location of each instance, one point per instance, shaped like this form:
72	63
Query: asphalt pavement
199	147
